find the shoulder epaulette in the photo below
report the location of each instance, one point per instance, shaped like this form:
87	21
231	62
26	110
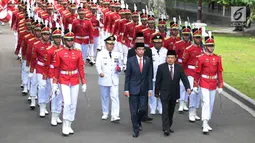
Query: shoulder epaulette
49	47
178	41
167	38
129	22
189	47
137	25
200	55
216	55
22	31
36	42
77	49
57	50
31	39
27	35
145	29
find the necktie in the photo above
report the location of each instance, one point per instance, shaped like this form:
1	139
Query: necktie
171	71
141	65
158	51
110	54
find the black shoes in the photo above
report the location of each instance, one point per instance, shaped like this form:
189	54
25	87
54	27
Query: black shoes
135	135
147	119
166	133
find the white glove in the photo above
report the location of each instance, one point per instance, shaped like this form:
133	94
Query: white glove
220	90
195	89
30	75
27	69
54	87
84	88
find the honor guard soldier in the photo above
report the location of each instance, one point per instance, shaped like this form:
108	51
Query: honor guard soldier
144	21
83	31
69	70
32	76
209	68
50	15
129	29
162	26
39	59
179	47
96	27
108	65
120	32
56	102
189	62
107	18
174	30
114	16
70	16
158	57
147	32
25	71
116	30
116	26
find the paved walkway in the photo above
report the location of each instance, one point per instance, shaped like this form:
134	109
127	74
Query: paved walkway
18	124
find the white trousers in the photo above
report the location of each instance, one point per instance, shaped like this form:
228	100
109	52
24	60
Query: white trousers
16	39
70	97
183	94
125	54
24	73
208	97
108	92
56	102
83	48
154	103
33	85
93	47
43	96
194	99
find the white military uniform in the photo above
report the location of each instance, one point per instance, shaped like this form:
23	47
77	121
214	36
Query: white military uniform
158	58
109	84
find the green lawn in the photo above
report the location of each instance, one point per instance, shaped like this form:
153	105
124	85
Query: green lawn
238	56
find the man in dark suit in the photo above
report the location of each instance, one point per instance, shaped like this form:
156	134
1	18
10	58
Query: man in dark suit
167	87
139	38
138	85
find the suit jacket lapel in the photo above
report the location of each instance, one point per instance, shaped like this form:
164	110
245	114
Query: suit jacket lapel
175	71
168	71
144	63
137	64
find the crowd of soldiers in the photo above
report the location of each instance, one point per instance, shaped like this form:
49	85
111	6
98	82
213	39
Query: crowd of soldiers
55	39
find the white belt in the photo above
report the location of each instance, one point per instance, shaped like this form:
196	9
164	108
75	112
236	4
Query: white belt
82	37
146	45
180	60
191	67
130	38
40	63
69	72
121	33
51	66
209	77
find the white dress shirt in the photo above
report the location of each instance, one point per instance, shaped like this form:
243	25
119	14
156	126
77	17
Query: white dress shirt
138	59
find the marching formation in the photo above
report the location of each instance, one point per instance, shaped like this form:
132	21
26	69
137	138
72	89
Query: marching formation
56	38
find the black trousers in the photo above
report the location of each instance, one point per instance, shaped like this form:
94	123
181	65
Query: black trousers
137	105
167	113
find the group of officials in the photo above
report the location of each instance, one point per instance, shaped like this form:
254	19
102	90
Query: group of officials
56	38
